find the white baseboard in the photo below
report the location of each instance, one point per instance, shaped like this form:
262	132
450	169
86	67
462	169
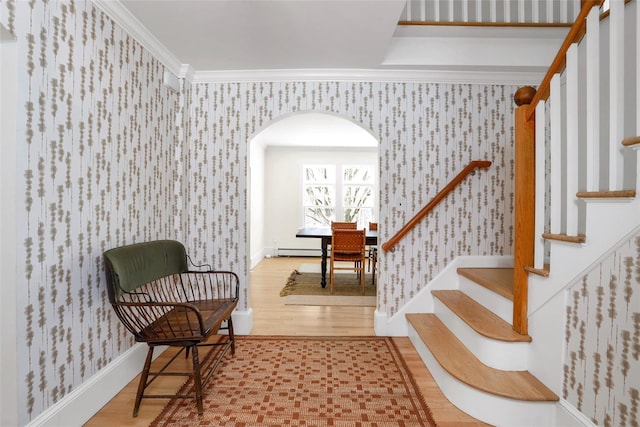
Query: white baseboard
242	322
380	323
82	403
255	259
569	416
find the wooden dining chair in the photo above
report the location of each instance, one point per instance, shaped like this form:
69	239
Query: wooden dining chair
350	246
372	255
344	225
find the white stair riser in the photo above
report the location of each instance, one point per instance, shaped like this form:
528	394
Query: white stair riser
486	407
499	305
509	356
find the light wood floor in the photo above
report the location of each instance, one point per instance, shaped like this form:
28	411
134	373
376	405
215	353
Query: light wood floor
272	317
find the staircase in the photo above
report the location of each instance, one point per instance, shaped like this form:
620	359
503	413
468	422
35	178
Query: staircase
468	344
587	172
477	359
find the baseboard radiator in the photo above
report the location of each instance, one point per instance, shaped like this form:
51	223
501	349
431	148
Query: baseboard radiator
298	252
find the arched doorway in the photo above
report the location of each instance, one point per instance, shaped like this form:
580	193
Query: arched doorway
275	192
277	155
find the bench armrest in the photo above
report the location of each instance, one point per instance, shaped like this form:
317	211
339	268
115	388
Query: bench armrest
162	321
210	285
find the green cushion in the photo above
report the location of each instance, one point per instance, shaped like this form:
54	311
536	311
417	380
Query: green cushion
129	267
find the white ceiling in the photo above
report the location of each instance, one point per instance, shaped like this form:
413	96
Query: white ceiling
241	40
214	40
271	34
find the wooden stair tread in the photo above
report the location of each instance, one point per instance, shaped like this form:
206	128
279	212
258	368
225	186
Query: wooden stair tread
565	237
544	272
617	194
632	140
498	280
479	318
459	362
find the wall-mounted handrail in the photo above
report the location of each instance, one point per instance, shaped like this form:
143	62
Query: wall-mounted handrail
557	66
388	245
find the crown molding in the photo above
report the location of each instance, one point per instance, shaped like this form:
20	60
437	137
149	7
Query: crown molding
125	19
186	72
508	77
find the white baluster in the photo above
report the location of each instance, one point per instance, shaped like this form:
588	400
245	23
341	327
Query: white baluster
550	17
577	5
507	10
493	11
541	168
556	153
465	11
535	11
408	16
616	89
436	10
572	157
478	10
521	10
451	17
592	151
563	11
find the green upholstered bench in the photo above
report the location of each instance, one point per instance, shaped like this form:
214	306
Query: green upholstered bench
162	302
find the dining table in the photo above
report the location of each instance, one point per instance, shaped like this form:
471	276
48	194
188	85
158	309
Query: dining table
324	234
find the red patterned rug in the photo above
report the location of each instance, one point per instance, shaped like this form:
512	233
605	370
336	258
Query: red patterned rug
307	381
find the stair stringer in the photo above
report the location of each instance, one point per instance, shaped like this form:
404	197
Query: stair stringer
547	346
608	222
423	301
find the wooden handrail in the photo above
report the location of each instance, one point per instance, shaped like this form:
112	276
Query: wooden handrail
429	206
557	66
484	24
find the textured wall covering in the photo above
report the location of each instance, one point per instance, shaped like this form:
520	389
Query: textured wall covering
96	147
108	156
427	134
602	366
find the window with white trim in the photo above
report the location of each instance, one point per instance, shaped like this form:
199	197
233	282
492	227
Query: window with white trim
338	193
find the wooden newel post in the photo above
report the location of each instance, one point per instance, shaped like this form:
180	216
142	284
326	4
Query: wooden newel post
523	249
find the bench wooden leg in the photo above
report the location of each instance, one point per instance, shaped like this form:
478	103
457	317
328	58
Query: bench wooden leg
143	381
232	336
197	380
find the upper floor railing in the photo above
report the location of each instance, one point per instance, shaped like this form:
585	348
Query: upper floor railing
491	12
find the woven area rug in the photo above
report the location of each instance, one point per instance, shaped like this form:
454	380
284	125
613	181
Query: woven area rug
305	289
307	381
